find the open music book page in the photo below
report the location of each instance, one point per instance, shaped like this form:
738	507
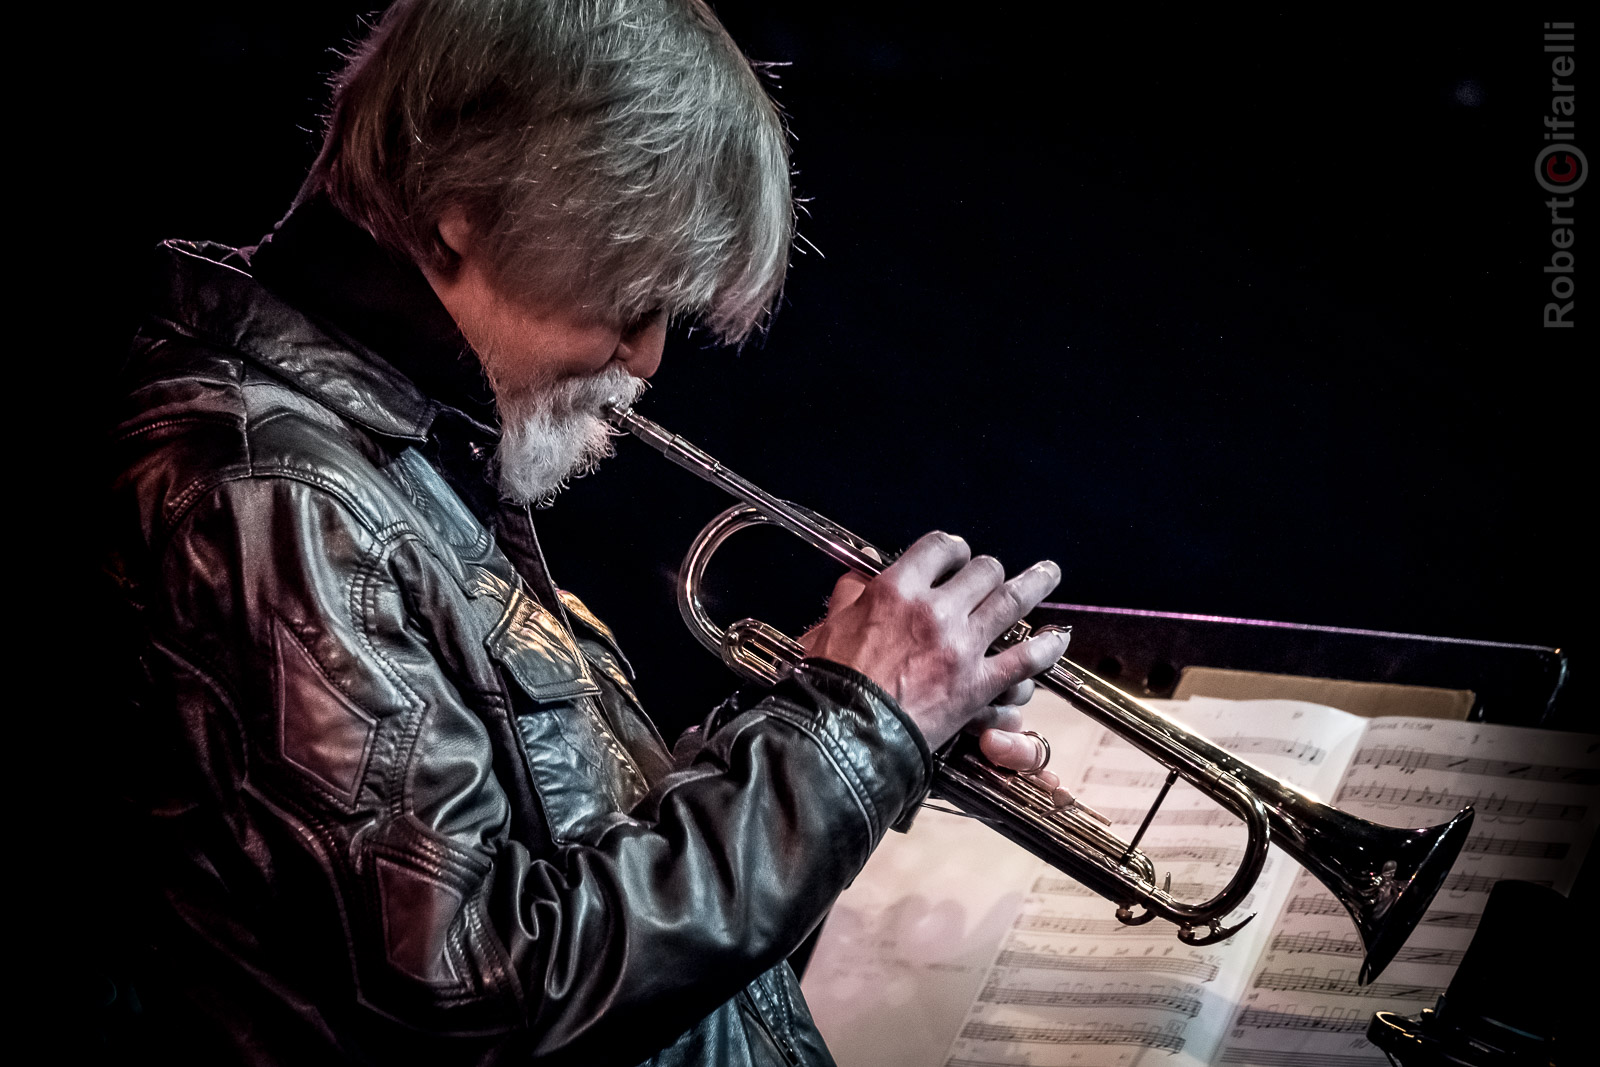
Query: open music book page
955	947
1537	803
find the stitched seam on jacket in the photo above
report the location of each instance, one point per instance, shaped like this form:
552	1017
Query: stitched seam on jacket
850	753
433	855
805	722
752	1006
825	674
772	1014
345	803
178	508
364	589
143	428
612	745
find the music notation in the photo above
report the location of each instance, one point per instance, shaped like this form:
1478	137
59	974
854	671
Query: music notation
1477	883
1119	777
1353	1021
1300	751
1220	856
1319	905
1044	998
1273	1057
1325	944
1487	805
1485	845
1067	924
1176	817
1037	963
1339	945
1322	905
1436	957
1409	760
1072	1035
1047	961
1449	920
1057	885
1343	985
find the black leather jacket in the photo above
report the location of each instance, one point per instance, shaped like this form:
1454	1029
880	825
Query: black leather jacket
397	799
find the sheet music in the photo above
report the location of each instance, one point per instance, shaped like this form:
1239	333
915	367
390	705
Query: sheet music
1537	808
997	959
1071	985
907	946
954	947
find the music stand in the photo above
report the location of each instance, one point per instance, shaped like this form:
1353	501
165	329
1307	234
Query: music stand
1147	652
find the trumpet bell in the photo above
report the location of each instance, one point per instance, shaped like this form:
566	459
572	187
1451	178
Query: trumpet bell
1385	877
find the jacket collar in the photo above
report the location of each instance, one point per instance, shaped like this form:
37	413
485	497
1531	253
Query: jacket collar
211	290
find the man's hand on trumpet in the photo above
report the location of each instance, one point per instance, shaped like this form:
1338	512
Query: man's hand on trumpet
922	630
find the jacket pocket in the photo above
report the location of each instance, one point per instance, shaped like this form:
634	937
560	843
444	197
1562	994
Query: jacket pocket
583	775
536	650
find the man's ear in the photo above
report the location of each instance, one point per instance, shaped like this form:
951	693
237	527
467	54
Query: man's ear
456	232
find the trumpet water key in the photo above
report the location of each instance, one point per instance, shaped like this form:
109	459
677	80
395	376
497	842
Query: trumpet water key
1384	876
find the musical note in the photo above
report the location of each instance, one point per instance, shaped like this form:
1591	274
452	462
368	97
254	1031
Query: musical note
1043	998
1072	1035
1333	945
1222	857
1485	845
1282	991
1343	985
1323	905
1045	961
1325	944
1336	1022
1297	1057
1301	751
1319	905
1488	805
1056	885
1057	924
1174	817
1439	957
1478	883
1409	760
1112	776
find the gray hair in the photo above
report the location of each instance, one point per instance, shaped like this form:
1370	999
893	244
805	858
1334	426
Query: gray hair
620	152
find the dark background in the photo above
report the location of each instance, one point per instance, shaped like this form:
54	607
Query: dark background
1227	314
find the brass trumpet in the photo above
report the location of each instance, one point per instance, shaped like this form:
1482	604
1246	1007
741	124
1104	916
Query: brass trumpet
1384	876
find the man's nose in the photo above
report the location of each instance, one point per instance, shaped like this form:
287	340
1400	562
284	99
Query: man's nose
641	345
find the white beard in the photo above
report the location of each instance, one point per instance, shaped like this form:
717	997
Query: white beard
553	434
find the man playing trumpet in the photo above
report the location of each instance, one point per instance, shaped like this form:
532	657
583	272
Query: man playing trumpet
396	799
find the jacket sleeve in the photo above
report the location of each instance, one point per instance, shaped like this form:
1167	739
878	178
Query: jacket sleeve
336	653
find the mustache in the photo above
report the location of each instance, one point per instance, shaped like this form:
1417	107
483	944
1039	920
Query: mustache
556	433
587	395
583	395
